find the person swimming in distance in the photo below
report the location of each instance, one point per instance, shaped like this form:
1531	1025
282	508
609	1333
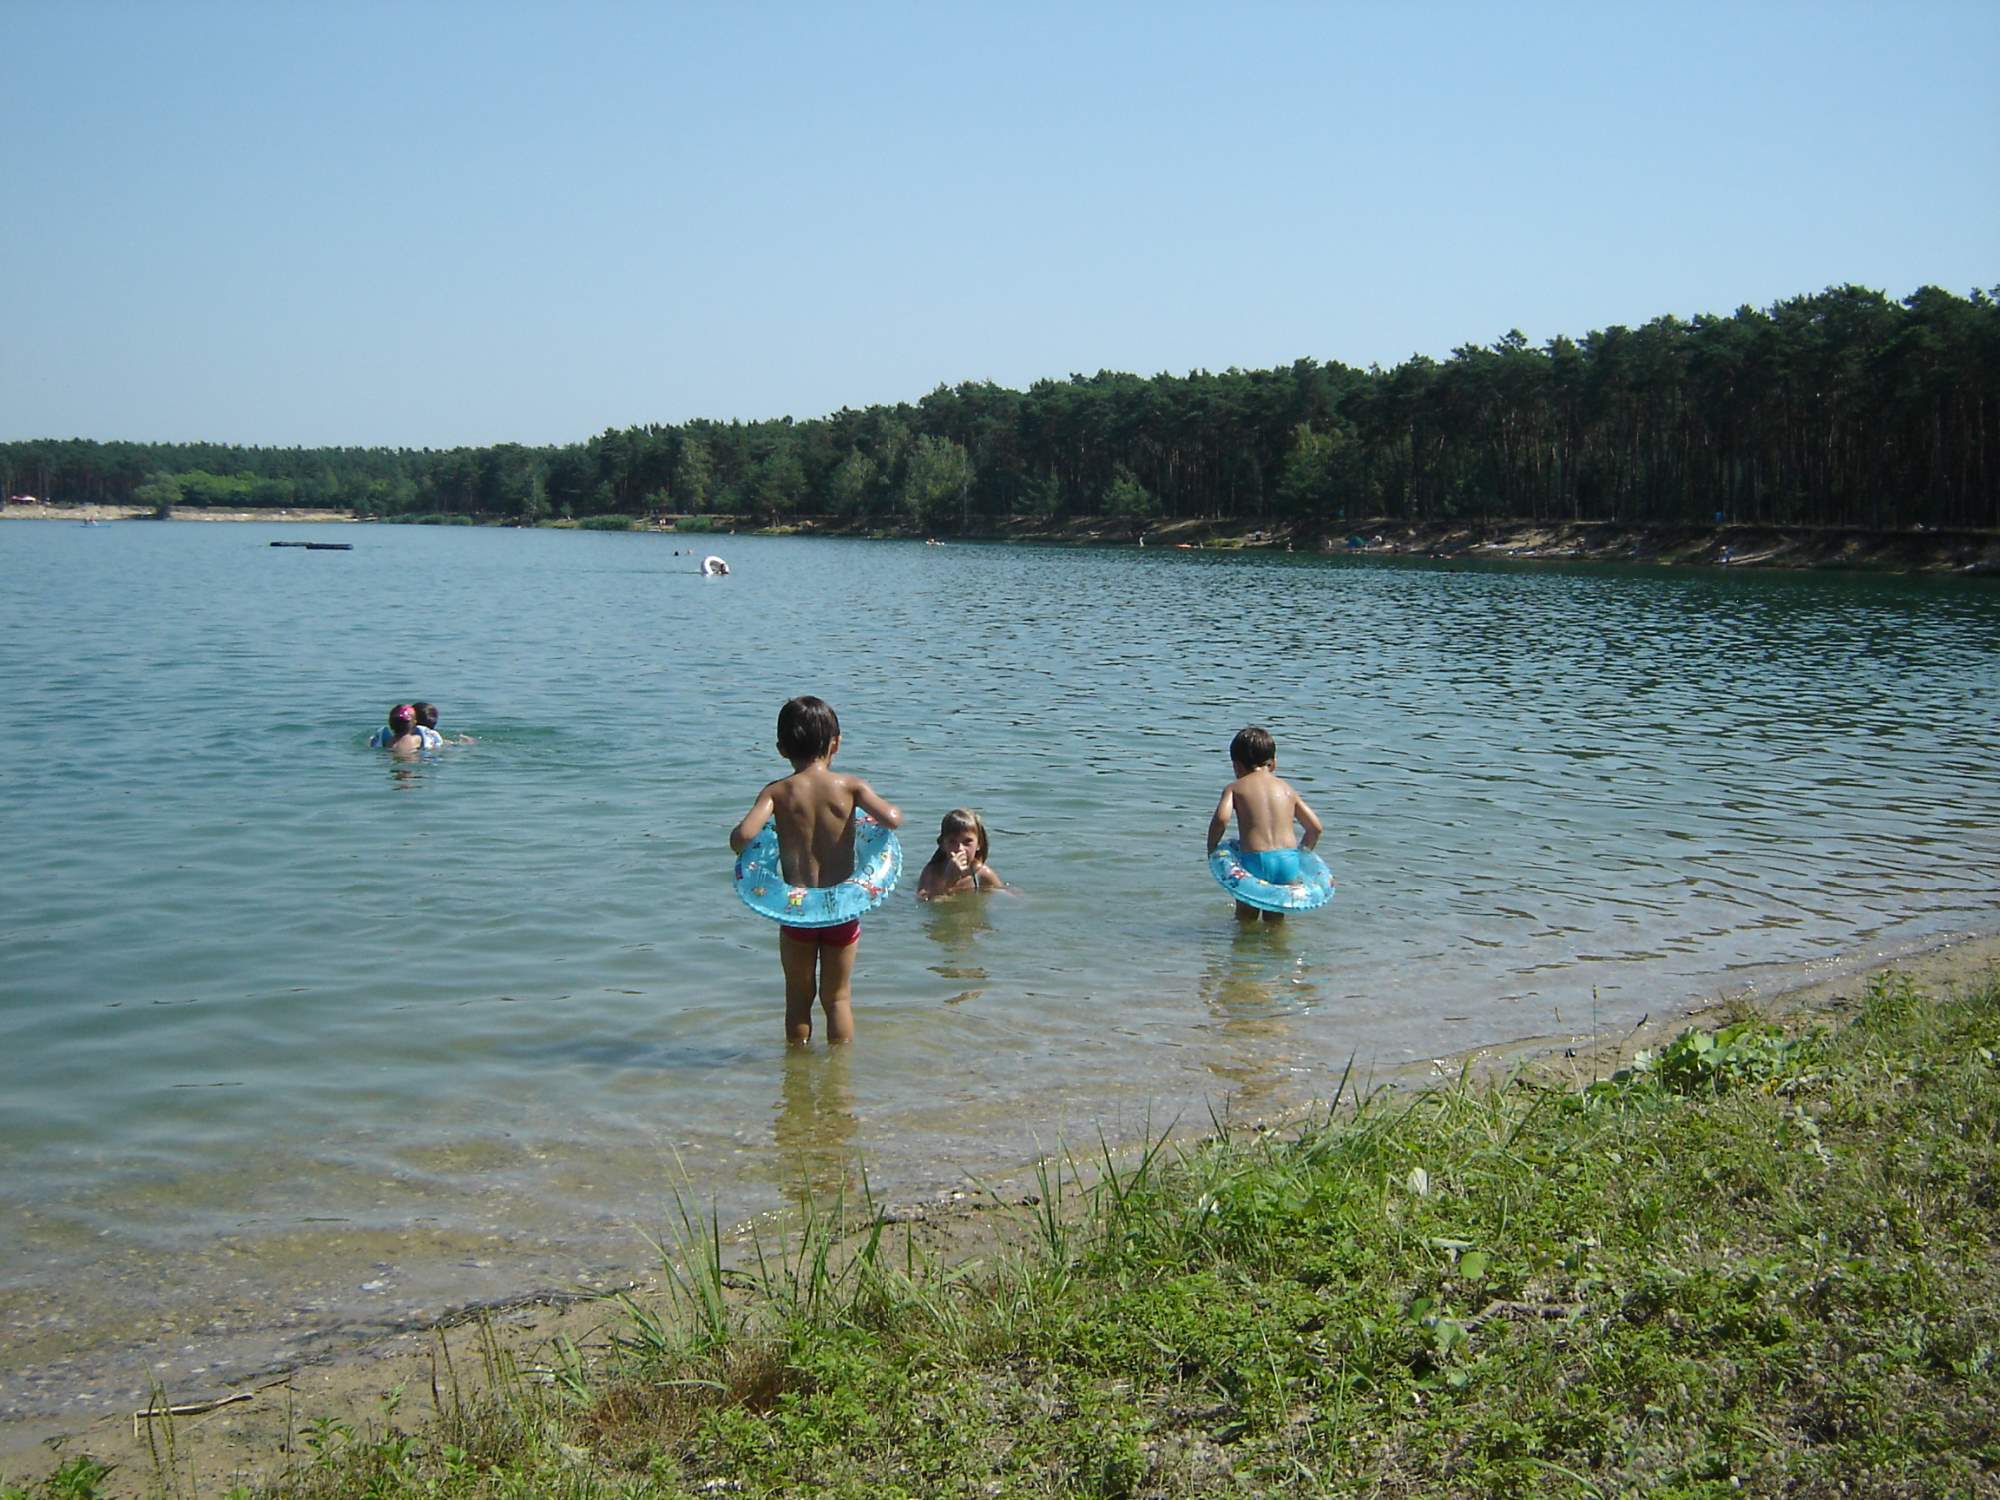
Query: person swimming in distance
403	735
427	718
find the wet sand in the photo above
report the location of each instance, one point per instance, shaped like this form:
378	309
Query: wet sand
100	513
1728	546
215	1445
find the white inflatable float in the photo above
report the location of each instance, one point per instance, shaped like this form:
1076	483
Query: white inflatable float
714	567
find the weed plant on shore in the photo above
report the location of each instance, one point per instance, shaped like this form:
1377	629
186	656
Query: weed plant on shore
1752	1262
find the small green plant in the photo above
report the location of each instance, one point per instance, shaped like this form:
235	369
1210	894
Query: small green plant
605	523
1710	1063
326	1436
1889	1001
78	1478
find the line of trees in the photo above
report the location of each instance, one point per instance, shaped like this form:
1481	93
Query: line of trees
1839	408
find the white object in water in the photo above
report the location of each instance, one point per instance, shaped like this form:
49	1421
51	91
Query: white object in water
714	567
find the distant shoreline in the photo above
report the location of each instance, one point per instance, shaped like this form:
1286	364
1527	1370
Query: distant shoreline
1923	550
82	513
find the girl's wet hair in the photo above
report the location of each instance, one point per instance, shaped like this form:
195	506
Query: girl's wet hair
401	717
427	714
964	820
807	728
1253	747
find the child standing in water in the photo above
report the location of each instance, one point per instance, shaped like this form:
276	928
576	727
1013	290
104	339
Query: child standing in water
1265	809
960	861
814	809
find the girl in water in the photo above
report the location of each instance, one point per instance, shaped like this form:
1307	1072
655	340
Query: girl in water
960	861
403	735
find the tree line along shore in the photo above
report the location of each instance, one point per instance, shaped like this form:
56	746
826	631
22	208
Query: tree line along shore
1842	409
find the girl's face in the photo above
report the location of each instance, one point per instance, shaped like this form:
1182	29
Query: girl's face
966	840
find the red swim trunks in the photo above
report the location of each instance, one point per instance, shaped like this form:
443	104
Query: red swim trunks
827	937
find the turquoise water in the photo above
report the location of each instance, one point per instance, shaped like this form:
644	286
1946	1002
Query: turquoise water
298	1043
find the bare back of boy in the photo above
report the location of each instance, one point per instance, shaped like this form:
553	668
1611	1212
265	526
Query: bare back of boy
1266	808
814	813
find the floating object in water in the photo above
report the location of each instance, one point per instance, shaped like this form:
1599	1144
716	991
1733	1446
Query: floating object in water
760	879
318	546
1313	889
714	567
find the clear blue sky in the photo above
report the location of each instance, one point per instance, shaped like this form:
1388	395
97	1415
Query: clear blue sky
433	224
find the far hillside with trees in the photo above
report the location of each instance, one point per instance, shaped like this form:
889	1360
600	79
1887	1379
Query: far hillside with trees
1841	408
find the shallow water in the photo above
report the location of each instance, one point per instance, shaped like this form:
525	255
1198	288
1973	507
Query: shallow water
297	1043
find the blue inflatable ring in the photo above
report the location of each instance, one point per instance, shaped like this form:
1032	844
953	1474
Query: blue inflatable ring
760	879
1314	888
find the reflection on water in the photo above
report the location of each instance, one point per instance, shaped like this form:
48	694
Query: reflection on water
1257	987
816	1129
469	1015
955	925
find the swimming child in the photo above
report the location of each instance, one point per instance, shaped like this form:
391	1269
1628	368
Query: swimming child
427	718
1264	808
960	861
814	809
403	735
427	737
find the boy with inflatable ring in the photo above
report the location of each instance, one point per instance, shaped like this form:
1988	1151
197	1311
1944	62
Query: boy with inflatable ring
1264	808
814	809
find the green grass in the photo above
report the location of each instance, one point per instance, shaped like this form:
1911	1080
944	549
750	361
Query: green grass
1751	1263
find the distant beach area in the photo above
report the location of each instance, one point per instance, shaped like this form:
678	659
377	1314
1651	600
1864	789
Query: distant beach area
1920	550
41	510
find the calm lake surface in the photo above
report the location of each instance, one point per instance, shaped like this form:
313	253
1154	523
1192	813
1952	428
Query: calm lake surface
297	1043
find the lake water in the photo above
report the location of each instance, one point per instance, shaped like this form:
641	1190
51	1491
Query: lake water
298	1043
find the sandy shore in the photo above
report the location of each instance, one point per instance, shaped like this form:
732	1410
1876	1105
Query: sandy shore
251	1435
1742	546
82	513
1745	546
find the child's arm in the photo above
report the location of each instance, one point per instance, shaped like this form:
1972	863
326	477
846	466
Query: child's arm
1308	820
989	879
877	806
753	822
1224	811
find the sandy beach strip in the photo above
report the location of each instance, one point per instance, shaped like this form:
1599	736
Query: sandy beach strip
82	513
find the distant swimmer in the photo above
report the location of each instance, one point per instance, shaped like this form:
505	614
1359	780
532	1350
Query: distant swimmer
427	721
404	735
714	567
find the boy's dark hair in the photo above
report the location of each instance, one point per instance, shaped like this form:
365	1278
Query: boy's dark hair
427	714
807	728
1253	747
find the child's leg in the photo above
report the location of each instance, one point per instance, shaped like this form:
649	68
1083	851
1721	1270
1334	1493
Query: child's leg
1246	912
836	977
800	957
